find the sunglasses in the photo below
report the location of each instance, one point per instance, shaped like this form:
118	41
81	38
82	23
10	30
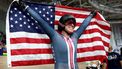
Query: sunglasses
70	22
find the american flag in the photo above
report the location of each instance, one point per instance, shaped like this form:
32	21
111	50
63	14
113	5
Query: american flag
27	44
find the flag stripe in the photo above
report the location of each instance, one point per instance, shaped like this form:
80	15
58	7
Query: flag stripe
32	62
96	30
89	53
31	51
29	35
88	49
28	40
31	57
29	45
89	58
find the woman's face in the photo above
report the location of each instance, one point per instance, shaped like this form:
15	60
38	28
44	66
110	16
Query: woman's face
69	27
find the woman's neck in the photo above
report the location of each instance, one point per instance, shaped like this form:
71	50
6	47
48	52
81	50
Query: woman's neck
65	34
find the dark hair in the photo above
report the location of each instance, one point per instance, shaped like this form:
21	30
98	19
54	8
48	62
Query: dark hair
64	19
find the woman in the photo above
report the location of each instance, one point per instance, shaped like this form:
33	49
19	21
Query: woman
64	44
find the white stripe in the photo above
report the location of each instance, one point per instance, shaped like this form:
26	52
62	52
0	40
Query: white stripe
86	36
90	27
91	44
68	53
72	11
102	22
31	57
30	46
29	35
91	53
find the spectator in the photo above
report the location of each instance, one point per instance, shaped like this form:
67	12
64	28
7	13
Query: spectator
1	51
114	60
121	51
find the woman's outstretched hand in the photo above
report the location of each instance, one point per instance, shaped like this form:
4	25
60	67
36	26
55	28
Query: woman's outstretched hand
93	13
21	4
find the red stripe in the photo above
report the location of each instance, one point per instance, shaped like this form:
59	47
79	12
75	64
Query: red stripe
95	30
32	62
105	43
98	57
30	51
98	17
28	40
105	27
88	40
47	41
90	49
102	26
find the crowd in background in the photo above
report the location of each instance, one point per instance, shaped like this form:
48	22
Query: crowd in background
2	44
